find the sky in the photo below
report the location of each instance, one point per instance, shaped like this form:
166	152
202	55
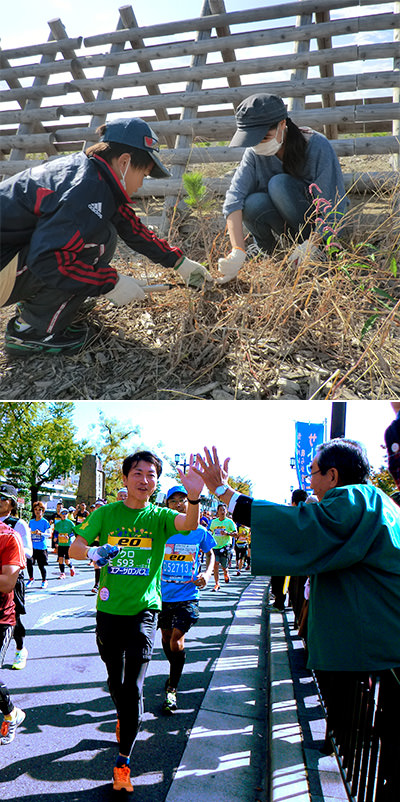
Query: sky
259	436
90	17
24	22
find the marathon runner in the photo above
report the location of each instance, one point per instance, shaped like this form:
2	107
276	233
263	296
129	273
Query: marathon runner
180	586
132	536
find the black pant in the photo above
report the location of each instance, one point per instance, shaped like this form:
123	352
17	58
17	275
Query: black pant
6	705
277	589
47	308
125	644
39	556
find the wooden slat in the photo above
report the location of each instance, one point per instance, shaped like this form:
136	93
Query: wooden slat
232	18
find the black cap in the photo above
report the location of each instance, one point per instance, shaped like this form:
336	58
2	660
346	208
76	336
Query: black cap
255	116
136	133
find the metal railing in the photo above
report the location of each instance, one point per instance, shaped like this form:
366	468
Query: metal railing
365	733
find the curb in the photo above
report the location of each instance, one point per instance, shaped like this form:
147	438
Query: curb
226	749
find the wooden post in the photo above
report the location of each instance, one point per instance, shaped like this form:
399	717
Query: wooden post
228	55
326	70
136	41
110	71
185	140
27	128
300	74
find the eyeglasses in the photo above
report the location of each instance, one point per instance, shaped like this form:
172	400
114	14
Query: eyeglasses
312	473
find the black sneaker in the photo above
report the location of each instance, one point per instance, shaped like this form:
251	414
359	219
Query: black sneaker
29	341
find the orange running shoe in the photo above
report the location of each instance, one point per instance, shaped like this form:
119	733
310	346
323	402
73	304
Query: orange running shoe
118	731
122	779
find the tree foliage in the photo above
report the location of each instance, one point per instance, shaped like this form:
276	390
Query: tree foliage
112	448
38	443
384	480
241	485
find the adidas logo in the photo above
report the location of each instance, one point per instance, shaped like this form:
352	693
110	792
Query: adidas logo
96	208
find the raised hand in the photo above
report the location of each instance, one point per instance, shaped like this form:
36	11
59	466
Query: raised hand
212	472
192	480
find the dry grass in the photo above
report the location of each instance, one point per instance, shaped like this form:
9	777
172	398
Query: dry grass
328	329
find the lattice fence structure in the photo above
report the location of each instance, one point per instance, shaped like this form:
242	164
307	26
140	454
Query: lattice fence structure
336	64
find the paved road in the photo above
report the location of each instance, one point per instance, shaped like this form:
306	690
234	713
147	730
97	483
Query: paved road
66	747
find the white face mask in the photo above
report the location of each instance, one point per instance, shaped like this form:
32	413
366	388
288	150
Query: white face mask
270	147
123	176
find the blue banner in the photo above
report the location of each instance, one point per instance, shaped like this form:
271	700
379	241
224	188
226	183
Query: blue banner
308	437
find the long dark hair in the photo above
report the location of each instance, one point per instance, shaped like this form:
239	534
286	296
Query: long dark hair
295	149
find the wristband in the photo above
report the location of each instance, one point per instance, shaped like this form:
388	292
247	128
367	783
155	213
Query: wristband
191	501
178	264
232	502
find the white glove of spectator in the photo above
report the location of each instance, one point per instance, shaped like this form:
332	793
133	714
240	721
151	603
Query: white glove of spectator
127	289
304	252
193	273
230	266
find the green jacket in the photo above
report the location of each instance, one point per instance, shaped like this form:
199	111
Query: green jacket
349	544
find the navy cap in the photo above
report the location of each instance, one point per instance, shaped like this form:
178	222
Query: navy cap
255	116
135	133
9	491
176	489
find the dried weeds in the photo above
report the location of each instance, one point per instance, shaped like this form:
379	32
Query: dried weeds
326	329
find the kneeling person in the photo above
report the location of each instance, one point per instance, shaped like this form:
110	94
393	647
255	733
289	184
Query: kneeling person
180	584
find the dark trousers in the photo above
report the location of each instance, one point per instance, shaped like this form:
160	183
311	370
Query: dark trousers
19	632
39	556
125	644
47	308
277	590
6	705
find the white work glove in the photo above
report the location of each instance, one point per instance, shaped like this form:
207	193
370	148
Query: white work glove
304	252
127	289
193	273
230	265
101	555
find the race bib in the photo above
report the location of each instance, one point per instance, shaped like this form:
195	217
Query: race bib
180	560
134	556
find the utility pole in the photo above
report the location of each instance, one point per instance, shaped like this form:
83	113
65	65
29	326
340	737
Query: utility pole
338	419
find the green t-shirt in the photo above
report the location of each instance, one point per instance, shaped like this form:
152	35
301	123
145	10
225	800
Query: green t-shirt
221	531
131	582
65	531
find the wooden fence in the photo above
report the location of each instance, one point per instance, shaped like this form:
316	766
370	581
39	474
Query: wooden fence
337	65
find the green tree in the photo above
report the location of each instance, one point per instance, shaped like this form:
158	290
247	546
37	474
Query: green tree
112	447
240	484
38	443
384	480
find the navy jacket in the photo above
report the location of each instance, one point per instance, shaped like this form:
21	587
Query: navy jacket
60	209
